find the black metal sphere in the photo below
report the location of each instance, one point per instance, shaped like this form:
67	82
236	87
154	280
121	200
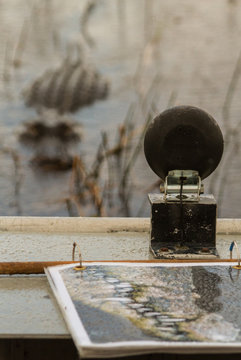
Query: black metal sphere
183	138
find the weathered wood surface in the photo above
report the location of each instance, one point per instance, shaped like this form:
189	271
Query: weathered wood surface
28	308
94	225
31	267
37	267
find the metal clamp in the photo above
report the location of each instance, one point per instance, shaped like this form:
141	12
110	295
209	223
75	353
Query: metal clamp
182	185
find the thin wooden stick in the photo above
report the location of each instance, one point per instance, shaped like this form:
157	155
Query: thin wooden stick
37	267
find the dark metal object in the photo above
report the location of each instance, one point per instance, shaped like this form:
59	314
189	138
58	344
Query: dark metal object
183	145
183	229
184	138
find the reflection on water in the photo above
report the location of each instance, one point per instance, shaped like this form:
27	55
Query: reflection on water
51	137
175	52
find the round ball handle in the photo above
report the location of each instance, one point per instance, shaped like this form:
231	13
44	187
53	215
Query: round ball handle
183	138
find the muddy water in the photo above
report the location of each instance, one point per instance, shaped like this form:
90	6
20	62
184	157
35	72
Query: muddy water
153	52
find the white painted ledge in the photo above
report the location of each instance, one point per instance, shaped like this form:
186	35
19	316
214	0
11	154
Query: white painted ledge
94	225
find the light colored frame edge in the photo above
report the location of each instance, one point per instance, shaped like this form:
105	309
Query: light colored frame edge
94	225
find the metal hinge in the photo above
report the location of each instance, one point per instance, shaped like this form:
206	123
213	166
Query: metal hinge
183	185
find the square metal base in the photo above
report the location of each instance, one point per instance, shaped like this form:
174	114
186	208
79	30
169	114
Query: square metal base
183	231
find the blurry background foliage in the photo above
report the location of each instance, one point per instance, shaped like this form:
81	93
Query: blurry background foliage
81	80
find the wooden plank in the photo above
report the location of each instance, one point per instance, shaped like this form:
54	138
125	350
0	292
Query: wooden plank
28	224
37	267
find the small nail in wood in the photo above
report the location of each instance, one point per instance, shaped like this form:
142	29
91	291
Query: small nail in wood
80	266
234	244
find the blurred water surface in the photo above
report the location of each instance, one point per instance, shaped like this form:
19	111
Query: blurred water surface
155	54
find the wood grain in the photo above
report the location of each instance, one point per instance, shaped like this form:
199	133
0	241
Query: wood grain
37	267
